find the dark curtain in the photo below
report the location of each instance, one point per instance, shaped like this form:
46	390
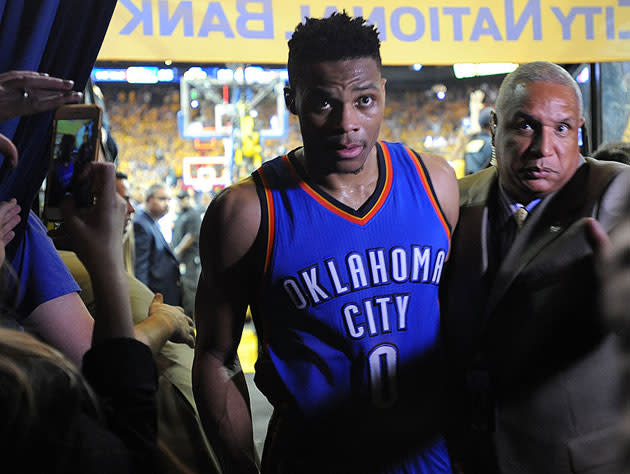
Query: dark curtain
61	38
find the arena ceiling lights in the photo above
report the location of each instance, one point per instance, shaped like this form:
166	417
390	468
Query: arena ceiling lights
135	75
465	70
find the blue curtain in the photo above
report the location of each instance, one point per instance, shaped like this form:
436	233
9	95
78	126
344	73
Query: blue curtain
61	38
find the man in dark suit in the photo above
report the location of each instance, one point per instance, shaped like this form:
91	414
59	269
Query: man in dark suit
538	369
155	262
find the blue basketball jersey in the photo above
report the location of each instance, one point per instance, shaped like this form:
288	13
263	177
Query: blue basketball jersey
351	297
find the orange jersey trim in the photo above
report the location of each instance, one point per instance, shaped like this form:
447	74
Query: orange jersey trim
340	212
257	308
271	221
429	191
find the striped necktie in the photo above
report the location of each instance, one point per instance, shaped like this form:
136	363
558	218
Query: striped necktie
520	215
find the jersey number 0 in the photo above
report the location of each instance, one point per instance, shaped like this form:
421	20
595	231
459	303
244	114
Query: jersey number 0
383	368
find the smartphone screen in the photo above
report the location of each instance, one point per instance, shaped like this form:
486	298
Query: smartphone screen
74	147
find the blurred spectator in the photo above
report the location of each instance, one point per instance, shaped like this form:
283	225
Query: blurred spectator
156	265
129	243
478	151
186	248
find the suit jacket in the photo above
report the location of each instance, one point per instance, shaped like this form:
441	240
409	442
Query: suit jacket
156	265
534	328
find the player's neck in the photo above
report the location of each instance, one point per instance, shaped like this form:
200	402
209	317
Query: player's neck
350	188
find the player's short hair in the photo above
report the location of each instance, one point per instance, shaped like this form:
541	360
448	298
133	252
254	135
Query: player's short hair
121	175
334	38
537	71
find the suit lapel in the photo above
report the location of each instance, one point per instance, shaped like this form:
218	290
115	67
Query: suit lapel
157	232
474	218
551	218
463	289
469	256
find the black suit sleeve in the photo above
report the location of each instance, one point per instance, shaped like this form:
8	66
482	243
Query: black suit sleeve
122	373
143	253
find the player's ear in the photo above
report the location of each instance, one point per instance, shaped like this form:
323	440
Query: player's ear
289	99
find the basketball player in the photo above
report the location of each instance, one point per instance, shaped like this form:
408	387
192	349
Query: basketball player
338	247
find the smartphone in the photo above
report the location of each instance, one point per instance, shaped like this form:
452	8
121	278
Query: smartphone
75	144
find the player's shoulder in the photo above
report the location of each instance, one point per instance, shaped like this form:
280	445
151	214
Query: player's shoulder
234	204
230	225
438	168
440	171
444	182
241	192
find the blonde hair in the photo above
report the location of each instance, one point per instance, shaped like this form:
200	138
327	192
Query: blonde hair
41	397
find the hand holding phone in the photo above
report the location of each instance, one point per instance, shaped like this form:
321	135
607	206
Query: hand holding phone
75	145
96	237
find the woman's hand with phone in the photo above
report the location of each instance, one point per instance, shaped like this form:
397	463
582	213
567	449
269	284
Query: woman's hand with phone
96	234
97	231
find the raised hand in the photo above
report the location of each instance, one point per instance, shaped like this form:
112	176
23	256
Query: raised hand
475	101
30	92
96	234
97	231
